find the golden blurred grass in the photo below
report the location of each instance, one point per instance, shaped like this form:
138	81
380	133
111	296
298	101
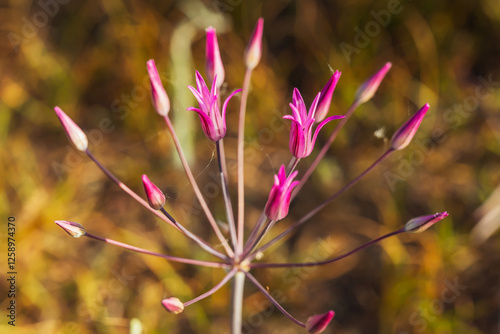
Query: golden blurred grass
89	58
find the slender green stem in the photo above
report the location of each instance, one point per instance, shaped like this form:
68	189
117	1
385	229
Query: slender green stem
325	148
321	206
241	167
320	263
167	257
196	189
237	302
224	179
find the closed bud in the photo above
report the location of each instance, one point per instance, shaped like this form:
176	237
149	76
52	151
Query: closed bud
422	223
325	98
173	305
404	135
254	48
155	196
159	96
74	229
370	86
214	66
75	135
317	323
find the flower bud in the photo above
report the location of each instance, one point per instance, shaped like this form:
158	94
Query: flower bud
74	229
404	135
75	135
159	96
254	47
422	223
317	323
155	196
173	305
370	86
325	98
214	66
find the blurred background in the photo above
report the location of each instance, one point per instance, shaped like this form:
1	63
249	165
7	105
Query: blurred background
90	57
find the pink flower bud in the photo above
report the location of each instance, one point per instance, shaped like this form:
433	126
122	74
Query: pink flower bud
75	135
422	223
279	196
74	229
155	196
325	98
404	135
159	96
173	305
254	48
214	65
370	86
317	323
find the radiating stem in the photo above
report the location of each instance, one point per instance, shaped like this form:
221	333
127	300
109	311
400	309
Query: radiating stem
202	243
219	285
241	169
313	264
129	191
167	257
321	206
325	148
272	300
196	189
237	302
224	178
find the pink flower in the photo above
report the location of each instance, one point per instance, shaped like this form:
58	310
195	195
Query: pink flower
317	323
254	48
326	97
159	96
279	197
404	135
75	135
213	122
214	65
422	223
366	91
155	196
301	139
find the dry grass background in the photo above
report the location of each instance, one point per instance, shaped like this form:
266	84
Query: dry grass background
89	58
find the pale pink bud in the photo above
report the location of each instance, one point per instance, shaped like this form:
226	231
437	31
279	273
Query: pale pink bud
75	135
74	229
161	102
214	66
173	305
279	197
422	223
404	135
155	196
370	86
325	98
317	323
254	47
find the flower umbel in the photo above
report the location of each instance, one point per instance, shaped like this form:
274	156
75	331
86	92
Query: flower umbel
301	137
279	197
234	253
213	122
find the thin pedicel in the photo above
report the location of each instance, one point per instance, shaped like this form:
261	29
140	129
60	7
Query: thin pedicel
237	257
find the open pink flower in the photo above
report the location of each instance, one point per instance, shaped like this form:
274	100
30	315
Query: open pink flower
212	121
301	136
279	196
